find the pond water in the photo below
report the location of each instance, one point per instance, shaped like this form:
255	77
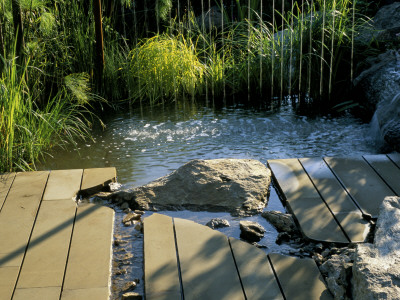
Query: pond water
146	144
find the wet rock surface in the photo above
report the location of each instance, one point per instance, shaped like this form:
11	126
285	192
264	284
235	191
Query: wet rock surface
251	231
218	223
239	186
281	221
376	269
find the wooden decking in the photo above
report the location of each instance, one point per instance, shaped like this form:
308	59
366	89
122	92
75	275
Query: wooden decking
185	260
332	198
50	247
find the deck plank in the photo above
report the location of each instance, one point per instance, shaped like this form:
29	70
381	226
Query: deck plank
335	196
362	183
46	256
16	221
6	181
207	266
97	179
389	172
314	217
395	157
89	260
300	278
255	271
161	276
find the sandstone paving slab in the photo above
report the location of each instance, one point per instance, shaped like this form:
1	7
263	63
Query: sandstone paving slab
96	179
255	271
89	260
8	277
19	211
63	184
300	279
361	181
43	293
46	256
6	181
388	170
314	217
161	276
86	294
207	266
335	196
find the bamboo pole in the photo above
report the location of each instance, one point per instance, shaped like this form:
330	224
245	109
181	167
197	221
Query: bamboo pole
99	53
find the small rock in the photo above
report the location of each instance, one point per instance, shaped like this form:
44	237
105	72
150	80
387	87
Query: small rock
319	259
337	271
120	272
139	212
282	237
138	226
131	285
127	210
251	231
218	223
124	205
131	296
326	253
131	217
114	186
282	222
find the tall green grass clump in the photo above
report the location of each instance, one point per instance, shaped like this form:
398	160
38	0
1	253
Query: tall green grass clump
27	131
165	67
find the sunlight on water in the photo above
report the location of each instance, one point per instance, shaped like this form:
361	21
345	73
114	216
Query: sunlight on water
143	148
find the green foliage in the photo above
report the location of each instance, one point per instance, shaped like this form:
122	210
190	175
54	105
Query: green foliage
165	67
26	130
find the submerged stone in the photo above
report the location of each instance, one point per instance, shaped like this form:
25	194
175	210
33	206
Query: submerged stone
251	231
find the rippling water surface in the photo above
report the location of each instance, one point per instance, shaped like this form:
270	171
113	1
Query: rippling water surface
145	146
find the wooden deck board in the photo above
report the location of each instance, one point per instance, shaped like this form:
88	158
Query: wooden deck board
16	221
335	196
97	179
388	170
161	267
207	266
361	181
395	157
314	217
5	184
90	250
46	257
255	271
300	278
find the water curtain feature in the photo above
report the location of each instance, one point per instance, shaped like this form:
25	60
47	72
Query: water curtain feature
287	48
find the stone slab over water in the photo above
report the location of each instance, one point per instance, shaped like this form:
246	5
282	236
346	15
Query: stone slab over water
239	186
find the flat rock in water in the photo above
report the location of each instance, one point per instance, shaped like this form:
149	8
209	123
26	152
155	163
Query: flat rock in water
282	222
376	269
239	186
218	223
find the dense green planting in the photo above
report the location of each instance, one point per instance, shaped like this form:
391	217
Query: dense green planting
162	50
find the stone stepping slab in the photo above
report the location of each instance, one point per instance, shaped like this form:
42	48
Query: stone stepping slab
187	260
52	248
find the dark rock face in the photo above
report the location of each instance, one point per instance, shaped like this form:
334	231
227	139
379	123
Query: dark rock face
251	231
239	186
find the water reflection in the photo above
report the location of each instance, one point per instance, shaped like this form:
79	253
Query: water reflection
144	145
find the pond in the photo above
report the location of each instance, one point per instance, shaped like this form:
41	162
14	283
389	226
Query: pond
144	144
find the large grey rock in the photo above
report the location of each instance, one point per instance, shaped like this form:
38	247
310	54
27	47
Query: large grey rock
384	26
379	88
239	186
376	269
